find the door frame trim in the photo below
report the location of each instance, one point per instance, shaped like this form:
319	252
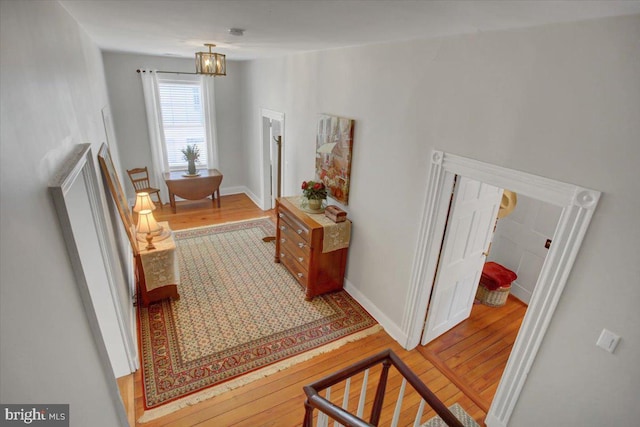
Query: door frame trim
265	157
578	205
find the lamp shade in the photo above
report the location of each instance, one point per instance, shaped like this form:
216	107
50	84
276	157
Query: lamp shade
147	223
143	202
211	63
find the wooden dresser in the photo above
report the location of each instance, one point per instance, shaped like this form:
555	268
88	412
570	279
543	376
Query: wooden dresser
299	247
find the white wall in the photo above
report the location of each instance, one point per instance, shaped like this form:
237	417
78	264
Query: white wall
130	118
559	101
519	242
52	89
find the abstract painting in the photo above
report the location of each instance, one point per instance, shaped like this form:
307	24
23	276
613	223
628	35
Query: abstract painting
334	145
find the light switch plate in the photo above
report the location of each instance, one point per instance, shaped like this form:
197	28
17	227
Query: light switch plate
608	340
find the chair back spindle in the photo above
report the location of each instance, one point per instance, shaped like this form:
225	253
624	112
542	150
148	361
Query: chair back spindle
140	180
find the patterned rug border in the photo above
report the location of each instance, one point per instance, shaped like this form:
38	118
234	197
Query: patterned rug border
173	405
178	234
200	396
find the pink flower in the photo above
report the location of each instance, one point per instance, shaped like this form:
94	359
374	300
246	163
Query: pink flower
317	186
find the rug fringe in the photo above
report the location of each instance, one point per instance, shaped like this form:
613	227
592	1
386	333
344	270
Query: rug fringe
208	393
221	224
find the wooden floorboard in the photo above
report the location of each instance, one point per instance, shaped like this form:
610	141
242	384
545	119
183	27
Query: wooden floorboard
278	399
473	355
199	213
126	386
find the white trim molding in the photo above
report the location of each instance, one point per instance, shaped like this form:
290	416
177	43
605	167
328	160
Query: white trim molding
265	157
578	205
390	327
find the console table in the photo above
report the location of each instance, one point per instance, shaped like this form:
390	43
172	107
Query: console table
206	183
158	270
311	247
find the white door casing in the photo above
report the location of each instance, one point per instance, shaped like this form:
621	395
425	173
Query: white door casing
473	214
266	142
275	133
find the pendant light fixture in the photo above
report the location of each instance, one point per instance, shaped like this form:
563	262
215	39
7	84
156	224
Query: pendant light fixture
211	63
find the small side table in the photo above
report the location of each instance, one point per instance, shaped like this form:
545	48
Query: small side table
205	184
158	270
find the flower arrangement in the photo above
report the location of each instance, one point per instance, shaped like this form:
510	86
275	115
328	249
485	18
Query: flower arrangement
191	153
313	190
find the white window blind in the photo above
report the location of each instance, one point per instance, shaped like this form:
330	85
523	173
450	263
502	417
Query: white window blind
182	120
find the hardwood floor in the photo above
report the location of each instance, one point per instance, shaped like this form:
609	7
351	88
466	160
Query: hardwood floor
198	213
278	399
473	355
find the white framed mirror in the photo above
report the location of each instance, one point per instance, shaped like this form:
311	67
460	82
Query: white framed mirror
75	195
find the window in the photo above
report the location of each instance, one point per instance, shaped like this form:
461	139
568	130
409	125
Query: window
182	120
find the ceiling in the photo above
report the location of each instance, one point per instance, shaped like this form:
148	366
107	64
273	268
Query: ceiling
278	27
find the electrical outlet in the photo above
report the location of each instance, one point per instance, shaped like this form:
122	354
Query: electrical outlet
547	244
608	340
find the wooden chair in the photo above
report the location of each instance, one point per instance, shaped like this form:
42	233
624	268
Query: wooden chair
140	180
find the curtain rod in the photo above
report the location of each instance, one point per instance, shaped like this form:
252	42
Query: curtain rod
164	72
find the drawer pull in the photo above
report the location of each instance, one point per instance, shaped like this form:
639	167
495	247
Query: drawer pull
283	240
300	259
282	227
299	231
281	215
301	245
300	275
281	254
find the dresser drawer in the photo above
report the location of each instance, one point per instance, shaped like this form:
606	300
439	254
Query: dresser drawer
297	271
287	220
296	242
295	253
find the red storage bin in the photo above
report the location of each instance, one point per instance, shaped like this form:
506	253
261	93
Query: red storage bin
495	284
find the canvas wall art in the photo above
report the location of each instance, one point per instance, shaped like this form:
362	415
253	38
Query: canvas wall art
334	145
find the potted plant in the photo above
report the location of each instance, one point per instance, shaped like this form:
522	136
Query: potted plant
191	154
315	192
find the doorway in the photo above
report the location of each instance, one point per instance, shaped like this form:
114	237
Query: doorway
577	204
272	153
473	352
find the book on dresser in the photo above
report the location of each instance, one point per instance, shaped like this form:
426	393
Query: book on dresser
316	264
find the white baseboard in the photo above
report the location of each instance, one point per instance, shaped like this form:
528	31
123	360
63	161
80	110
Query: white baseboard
493	421
521	293
238	189
391	328
241	189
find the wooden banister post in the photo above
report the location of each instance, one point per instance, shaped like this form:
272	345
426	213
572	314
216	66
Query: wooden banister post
308	414
379	399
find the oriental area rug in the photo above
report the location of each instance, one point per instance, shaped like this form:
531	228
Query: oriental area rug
240	317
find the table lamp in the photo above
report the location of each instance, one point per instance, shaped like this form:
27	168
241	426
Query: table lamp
147	224
143	202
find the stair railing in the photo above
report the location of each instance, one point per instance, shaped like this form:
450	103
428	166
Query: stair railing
386	358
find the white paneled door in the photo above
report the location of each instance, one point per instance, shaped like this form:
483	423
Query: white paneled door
473	214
